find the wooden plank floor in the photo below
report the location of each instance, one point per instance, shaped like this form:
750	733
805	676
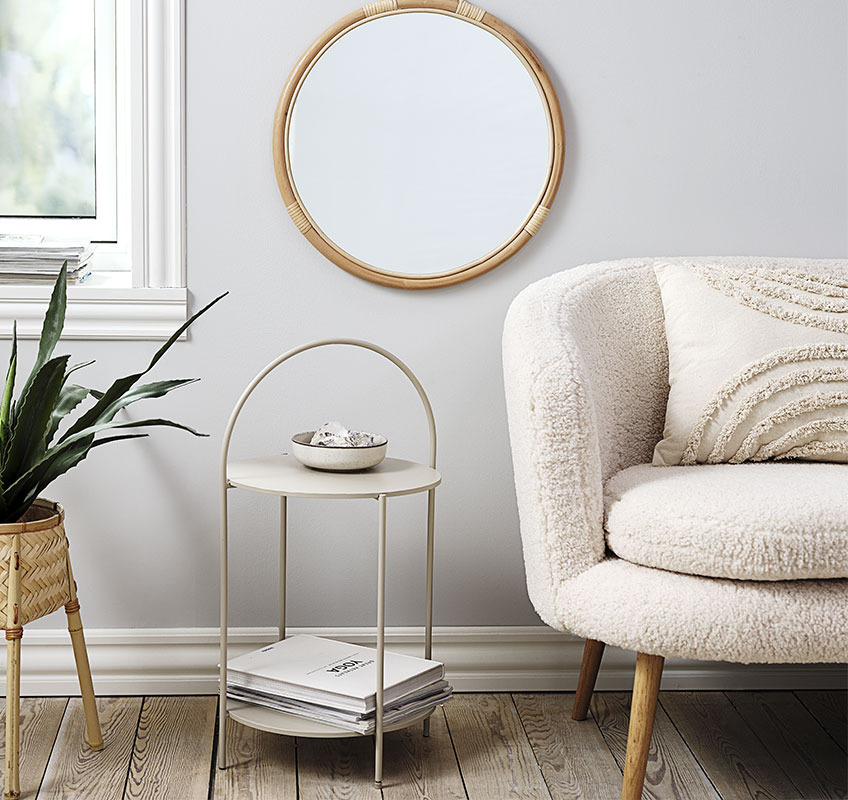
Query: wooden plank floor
707	746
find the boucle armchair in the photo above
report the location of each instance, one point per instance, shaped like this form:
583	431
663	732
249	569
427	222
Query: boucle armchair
586	374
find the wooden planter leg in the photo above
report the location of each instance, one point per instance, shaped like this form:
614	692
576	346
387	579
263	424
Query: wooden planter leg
646	688
592	653
13	711
13	674
89	702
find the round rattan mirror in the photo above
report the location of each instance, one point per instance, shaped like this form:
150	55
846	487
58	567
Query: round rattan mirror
418	144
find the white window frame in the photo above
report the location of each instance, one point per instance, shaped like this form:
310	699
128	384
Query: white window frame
138	288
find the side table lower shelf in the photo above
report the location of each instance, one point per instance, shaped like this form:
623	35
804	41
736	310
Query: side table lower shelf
266	719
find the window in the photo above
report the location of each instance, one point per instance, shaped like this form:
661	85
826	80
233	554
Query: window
58	154
91	147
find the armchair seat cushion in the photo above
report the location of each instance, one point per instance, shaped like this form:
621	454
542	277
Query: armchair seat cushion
765	522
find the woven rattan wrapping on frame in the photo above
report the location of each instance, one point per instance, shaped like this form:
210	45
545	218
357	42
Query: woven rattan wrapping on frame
43	571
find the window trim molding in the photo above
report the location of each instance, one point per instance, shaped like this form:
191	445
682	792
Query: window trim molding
97	312
157	76
156	301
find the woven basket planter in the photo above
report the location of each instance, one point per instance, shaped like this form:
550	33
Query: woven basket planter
43	571
35	580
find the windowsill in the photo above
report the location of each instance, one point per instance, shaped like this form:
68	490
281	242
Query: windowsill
104	306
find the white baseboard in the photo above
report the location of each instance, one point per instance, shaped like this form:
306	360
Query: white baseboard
478	659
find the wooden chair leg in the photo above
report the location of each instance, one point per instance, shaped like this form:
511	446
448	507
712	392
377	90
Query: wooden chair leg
89	702
13	712
646	688
592	653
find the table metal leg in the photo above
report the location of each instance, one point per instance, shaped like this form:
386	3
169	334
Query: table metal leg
428	625
381	642
283	526
222	673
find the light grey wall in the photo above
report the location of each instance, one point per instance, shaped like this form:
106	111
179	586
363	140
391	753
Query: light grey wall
693	128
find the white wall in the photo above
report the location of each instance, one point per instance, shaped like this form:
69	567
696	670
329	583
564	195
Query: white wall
693	128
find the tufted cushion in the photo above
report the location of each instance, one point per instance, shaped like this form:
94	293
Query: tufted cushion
757	362
768	522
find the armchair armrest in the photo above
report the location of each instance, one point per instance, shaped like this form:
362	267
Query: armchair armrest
585	370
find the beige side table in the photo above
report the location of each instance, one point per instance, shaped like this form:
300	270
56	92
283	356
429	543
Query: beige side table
286	477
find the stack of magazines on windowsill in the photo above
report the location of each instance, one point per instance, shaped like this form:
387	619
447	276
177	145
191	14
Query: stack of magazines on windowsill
335	683
38	259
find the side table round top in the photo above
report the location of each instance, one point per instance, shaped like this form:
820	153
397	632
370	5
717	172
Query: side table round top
285	475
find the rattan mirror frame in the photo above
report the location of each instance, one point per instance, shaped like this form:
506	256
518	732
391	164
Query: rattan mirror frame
300	215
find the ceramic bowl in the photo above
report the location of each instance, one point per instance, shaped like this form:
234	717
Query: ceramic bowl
337	459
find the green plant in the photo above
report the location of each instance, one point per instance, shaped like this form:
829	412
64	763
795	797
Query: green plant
31	455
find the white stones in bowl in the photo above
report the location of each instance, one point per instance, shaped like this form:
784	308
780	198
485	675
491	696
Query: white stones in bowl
335	448
334	434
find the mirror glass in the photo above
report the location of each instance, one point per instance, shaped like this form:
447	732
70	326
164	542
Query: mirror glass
419	142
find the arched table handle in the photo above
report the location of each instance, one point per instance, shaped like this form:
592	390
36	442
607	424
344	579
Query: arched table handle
228	433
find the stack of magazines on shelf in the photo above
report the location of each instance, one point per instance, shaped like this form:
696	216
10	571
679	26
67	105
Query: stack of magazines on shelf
38	259
335	683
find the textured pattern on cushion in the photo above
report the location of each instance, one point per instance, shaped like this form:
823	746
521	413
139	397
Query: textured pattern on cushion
710	619
758	363
748	521
585	369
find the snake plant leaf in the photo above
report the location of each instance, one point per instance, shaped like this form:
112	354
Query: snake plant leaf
75	367
179	331
144	392
154	389
118	436
8	391
24	494
5	438
131	423
58	466
35	409
20	494
51	330
69	398
109	404
57	452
